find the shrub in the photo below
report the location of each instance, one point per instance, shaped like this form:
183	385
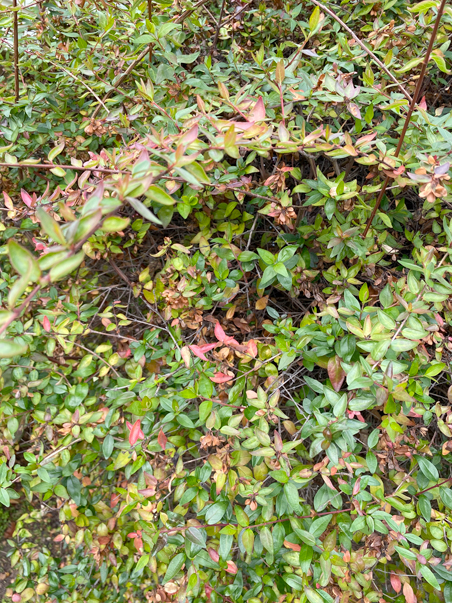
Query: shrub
225	353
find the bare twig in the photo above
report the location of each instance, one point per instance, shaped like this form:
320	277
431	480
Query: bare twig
363	46
257	525
16	50
217	31
34	53
150	20
410	110
51	166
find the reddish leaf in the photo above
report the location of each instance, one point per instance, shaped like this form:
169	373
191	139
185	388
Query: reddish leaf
8	201
251	348
46	324
137	540
135	432
185	353
232	568
423	104
258	111
114	499
292	546
200	350
190	136
26	198
214	555
356	486
221	378
336	373
162	439
408	593
219	333
147	492
58	538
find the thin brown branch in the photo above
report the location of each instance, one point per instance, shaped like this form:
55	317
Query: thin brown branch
257	525
364	47
16	50
217	30
410	110
51	166
150	7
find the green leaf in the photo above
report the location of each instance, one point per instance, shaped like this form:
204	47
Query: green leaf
268	257
242	517
305	536
107	446
430	577
122	459
446	497
23	262
373	438
266	539
427	468
66	267
267	277
313	596
205	408
196	536
115	224
142	562
9	348
50	226
174	566
4	497
425	507
314	19
423	7
215	512
248	540
293	581
55	151
143	210
292	496
319	525
157	194
371	461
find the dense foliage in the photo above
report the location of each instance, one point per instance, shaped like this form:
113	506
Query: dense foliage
218	381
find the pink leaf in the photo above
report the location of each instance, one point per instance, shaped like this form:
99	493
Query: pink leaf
336	373
162	439
147	492
408	592
46	324
185	353
190	136
423	104
135	432
26	198
231	568
219	333
221	378
251	348
214	555
114	499
258	111
200	350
